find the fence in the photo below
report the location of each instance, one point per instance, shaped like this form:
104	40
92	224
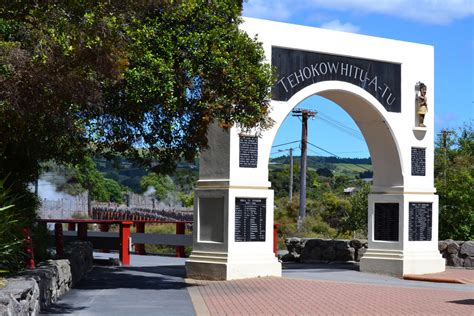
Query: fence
122	240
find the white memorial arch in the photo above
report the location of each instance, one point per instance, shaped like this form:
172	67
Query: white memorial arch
375	80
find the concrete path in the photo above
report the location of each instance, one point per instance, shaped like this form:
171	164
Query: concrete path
152	285
155	286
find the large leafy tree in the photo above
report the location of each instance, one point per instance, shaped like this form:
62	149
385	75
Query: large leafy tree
454	180
139	78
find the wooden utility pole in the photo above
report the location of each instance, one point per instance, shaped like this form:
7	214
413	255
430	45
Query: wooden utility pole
290	180
304	114
444	134
290	189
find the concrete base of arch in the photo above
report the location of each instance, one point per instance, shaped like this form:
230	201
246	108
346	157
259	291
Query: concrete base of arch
223	249
399	263
217	266
412	245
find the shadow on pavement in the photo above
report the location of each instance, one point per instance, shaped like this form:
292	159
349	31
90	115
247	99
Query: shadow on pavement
321	267
174	270
144	278
463	302
61	309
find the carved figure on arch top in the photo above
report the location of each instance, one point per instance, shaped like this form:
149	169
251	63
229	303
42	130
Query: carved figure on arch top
421	104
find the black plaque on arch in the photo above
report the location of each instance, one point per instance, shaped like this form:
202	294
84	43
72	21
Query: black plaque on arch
248	151
297	69
420	218
418	161
386	221
250	221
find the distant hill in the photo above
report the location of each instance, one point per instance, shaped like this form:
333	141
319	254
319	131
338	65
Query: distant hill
351	167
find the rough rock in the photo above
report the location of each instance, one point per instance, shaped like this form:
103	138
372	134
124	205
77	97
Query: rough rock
360	253
79	254
454	261
341	244
453	247
329	254
442	245
347	254
54	280
469	262
467	249
288	258
20	297
355	243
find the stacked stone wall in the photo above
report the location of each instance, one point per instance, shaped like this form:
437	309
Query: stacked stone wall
35	290
315	250
457	253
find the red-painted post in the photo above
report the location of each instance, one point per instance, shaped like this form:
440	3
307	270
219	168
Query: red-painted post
124	243
82	231
58	237
180	228
140	248
28	246
43	225
275	239
71	226
103	227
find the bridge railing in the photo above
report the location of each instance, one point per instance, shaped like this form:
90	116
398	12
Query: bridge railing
121	240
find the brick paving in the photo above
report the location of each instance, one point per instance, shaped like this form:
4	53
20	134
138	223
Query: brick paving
282	296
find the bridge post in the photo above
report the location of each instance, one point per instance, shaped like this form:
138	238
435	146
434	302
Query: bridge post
82	231
180	229
58	237
275	239
125	242
104	227
28	247
140	248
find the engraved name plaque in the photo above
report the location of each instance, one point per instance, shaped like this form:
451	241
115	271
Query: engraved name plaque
248	151
420	221
250	219
386	221
418	161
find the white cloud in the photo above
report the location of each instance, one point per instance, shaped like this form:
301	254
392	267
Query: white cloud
423	11
343	27
279	10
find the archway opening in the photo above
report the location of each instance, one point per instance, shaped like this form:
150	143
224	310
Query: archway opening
345	133
339	172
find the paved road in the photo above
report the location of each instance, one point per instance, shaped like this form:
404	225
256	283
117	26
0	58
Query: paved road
156	286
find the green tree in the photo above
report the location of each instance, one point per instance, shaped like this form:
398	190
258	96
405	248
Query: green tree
334	209
454	181
163	185
85	176
140	78
356	218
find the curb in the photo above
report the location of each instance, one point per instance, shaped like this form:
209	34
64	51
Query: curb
414	277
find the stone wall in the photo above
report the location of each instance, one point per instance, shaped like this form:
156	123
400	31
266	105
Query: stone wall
312	250
35	290
457	253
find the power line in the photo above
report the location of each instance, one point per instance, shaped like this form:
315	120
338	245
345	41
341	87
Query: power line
345	129
339	123
332	154
296	141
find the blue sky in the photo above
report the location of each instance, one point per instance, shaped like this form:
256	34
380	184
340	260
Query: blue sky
448	25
